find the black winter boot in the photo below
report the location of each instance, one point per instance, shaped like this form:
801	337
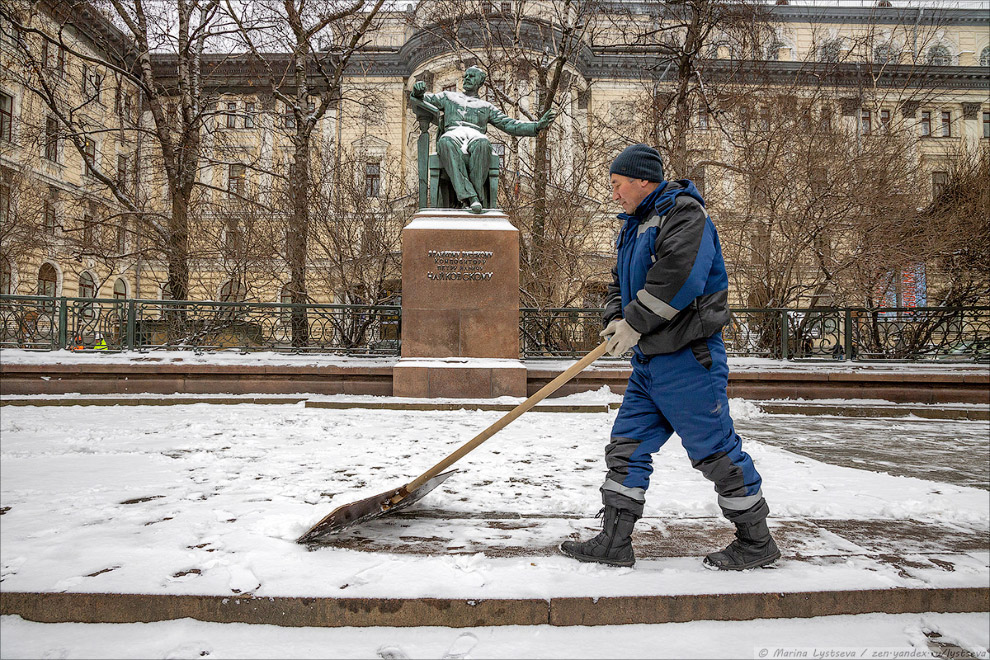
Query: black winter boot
753	547
612	546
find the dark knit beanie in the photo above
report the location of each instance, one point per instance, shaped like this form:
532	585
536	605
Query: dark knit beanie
638	161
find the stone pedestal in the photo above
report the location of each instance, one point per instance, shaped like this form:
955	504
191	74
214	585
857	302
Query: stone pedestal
460	307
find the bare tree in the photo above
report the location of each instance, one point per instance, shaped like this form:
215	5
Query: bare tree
158	49
357	221
316	41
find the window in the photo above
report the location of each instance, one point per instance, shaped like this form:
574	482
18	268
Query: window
744	118
235	182
986	124
249	115
4	198
865	122
885	54
452	87
830	50
87	285
51	139
885	119
703	118
122	236
946	123
926	123
231	115
498	148
764	118
60	62
120	289
89	230
89	164
773	50
128	106
372	178
6	277
122	168
939	55
47	281
825	119
289	118
49	217
9	32
44	52
6	116
505	7
231	291
92	82
939	181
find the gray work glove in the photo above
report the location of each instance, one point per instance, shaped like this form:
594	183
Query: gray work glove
610	328
622	338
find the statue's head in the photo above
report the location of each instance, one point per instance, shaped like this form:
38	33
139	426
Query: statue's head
474	78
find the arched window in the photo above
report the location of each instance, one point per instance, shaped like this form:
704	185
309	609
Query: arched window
87	285
47	280
830	51
120	289
985	56
6	277
885	54
939	55
231	291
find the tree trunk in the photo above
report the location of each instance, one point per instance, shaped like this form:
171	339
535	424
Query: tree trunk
177	248
298	239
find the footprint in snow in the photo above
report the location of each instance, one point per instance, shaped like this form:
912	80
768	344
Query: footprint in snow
392	653
461	647
242	580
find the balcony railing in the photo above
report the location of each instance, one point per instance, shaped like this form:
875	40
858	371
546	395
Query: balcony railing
87	324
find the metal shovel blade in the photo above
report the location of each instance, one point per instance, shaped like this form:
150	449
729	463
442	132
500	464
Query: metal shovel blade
367	509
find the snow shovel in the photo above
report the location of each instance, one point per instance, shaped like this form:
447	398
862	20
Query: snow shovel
376	506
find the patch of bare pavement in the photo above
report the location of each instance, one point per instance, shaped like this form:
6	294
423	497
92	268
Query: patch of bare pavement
903	544
949	451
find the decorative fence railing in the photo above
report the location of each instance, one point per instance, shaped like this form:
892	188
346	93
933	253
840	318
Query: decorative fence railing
86	324
917	333
83	324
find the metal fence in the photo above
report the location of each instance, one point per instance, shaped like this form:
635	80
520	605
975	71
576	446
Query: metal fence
917	333
86	324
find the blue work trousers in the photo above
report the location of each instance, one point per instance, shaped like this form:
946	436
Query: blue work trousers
682	392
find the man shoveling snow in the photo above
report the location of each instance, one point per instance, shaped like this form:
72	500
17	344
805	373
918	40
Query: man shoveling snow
668	302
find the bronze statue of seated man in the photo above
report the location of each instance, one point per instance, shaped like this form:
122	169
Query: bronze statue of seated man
463	149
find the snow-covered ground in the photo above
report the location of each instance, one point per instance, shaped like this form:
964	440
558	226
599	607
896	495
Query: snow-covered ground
202	499
904	636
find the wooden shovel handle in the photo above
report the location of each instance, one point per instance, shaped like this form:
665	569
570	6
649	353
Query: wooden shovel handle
507	419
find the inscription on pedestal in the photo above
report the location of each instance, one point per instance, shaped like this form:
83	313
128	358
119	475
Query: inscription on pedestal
459	265
460	287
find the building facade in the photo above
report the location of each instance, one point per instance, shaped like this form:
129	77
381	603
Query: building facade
919	74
